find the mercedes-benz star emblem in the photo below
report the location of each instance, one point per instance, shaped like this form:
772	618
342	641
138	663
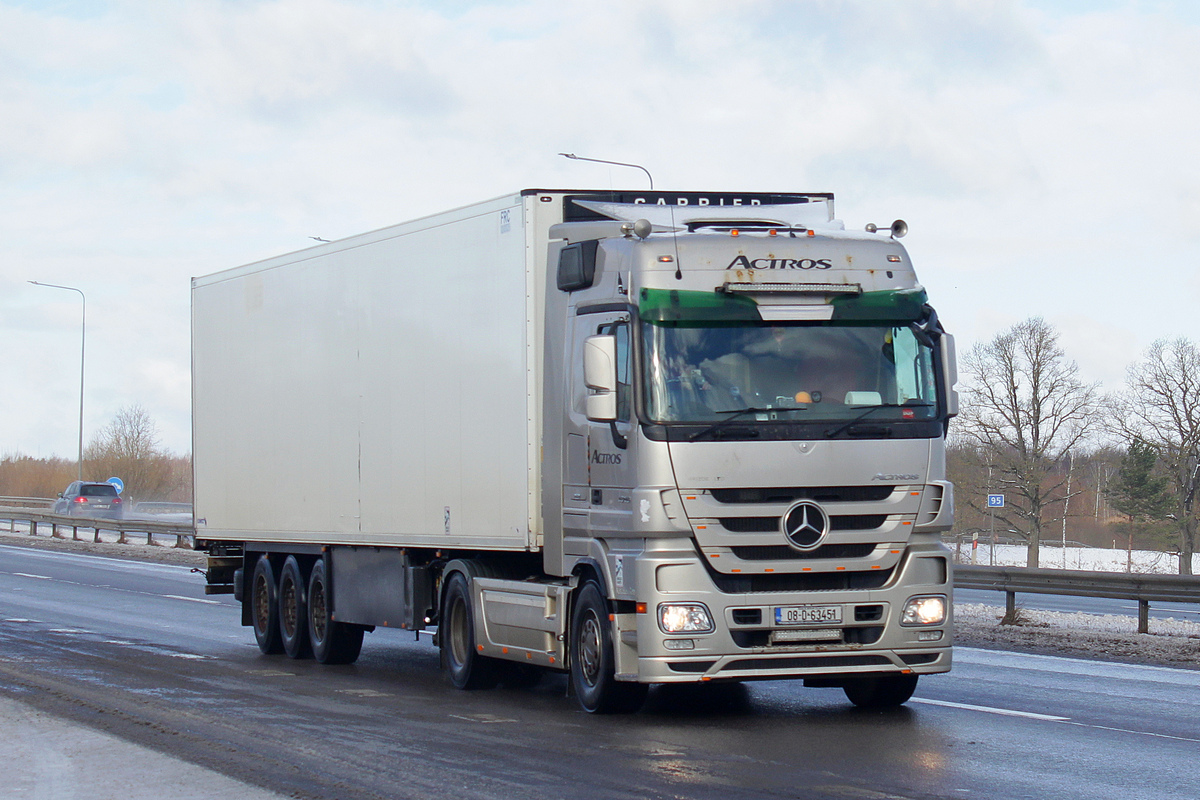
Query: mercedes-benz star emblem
805	525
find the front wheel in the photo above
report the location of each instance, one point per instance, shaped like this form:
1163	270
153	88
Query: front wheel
592	660
881	691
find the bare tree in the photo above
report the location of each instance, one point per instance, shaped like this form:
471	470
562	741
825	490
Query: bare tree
128	448
1161	406
1026	409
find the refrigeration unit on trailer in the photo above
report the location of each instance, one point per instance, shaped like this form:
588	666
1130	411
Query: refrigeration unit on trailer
639	437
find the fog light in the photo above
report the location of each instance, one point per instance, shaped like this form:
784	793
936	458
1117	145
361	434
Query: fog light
684	618
928	636
925	610
679	644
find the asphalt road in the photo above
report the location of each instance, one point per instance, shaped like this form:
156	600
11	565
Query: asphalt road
137	650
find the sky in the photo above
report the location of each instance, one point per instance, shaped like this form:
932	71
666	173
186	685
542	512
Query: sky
1044	154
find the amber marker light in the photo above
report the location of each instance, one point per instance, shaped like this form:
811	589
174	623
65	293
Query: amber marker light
641	608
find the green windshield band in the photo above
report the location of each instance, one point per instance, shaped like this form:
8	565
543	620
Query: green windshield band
675	305
903	305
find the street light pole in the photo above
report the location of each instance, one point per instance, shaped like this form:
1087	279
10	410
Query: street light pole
82	353
614	163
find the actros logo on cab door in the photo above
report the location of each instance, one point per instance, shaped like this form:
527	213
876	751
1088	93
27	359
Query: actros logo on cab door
805	525
745	262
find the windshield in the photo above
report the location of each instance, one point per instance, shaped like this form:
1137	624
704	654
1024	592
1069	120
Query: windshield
787	371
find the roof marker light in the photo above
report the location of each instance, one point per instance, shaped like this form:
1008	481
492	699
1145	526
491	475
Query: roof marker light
666	259
733	231
811	233
772	232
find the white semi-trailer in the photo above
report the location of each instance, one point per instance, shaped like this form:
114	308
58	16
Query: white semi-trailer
641	437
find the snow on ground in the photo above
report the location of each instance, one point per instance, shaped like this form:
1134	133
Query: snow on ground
1105	637
1096	559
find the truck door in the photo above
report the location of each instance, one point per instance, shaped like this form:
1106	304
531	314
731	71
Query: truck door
609	445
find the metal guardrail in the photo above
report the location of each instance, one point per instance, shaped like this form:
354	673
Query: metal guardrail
27	502
1145	589
185	534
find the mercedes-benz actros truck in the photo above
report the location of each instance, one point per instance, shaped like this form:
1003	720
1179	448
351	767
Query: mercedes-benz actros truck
637	437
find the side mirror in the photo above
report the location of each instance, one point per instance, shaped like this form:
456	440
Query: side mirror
600	377
949	373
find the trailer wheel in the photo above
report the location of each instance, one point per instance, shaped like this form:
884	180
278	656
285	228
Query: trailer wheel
332	642
460	657
881	691
264	607
592	660
293	610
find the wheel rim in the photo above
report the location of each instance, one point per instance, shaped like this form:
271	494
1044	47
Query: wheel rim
458	631
316	606
287	607
262	603
589	648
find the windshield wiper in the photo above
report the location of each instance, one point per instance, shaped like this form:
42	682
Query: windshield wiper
736	413
832	432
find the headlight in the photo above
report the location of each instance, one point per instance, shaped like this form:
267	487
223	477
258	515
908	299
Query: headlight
684	618
926	610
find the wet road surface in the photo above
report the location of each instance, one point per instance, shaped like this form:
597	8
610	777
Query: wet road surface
137	650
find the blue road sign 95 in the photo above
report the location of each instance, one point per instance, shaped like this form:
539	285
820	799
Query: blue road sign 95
995	501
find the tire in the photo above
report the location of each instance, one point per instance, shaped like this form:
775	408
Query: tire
460	656
881	691
264	607
332	642
592	662
293	610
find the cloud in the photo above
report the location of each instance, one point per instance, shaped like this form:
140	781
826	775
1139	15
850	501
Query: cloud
1044	153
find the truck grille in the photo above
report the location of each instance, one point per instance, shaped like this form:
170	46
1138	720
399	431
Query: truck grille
822	494
847	522
803	582
784	553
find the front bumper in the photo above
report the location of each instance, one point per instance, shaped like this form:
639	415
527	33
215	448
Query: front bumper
746	643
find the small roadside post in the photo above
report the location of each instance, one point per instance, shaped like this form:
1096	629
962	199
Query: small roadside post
994	501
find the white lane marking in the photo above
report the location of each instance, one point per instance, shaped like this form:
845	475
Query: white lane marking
1005	712
362	692
1138	733
1050	718
486	719
97	562
194	599
119	589
1078	666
